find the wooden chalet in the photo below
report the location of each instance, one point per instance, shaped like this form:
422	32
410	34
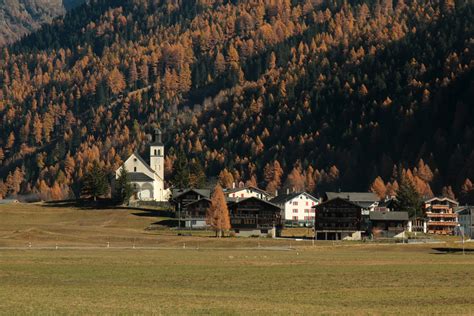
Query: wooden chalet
254	216
440	216
181	198
337	219
194	213
388	224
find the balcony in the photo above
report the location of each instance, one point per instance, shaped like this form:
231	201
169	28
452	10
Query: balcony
439	207
446	223
441	215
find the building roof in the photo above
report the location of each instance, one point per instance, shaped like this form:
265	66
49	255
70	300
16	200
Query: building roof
137	155
354	196
334	199
388	216
178	192
444	198
464	210
283	198
228	191
199	201
139	177
253	198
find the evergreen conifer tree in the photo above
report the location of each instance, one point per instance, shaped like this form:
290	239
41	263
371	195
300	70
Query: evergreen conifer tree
180	178
95	182
123	188
408	199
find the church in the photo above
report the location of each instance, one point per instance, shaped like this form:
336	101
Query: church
148	179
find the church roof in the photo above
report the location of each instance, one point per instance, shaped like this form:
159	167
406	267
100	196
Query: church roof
137	155
139	177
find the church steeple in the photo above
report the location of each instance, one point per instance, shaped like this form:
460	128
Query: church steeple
157	139
157	153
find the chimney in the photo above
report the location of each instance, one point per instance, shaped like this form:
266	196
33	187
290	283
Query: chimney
233	185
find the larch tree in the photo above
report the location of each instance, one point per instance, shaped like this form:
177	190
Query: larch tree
226	179
378	187
116	81
217	216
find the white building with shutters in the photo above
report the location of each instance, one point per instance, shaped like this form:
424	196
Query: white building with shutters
297	208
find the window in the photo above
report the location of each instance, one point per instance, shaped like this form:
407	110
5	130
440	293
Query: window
295	218
312	210
159	152
155	152
295	210
134	159
242	195
295	203
306	210
307	203
312	204
134	169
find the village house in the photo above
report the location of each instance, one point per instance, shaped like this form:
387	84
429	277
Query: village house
466	220
194	216
244	192
440	216
248	216
338	219
254	217
387	224
297	208
368	201
146	179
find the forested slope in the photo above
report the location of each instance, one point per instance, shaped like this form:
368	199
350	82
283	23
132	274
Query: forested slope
20	17
306	94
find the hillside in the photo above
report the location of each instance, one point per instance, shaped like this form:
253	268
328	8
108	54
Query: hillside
306	94
20	17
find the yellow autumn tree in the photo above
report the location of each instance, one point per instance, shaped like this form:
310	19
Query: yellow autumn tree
217	216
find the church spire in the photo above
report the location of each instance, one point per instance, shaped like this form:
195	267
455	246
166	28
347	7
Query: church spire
158	138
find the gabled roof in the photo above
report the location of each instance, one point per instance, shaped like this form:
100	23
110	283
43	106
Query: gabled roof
335	199
354	196
139	177
464	210
283	198
233	190
444	198
199	201
388	216
143	161
252	198
178	192
137	155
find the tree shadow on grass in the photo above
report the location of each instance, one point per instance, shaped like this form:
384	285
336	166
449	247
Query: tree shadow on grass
451	250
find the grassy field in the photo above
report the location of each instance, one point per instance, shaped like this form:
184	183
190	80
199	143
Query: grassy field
227	277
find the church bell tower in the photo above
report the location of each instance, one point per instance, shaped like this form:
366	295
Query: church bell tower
157	154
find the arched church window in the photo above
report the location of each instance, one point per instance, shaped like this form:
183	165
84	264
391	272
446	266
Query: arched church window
155	152
159	152
134	169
